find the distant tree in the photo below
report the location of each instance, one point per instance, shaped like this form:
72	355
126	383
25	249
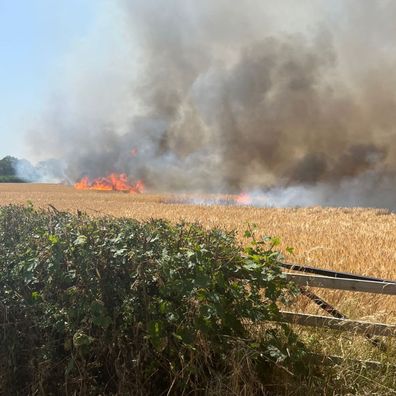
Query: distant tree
8	173
7	166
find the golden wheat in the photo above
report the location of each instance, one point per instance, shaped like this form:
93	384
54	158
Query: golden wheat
356	240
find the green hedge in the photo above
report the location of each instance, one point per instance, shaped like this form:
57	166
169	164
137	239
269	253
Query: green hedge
116	306
11	179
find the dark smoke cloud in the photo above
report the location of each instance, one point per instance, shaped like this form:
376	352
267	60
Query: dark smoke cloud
251	96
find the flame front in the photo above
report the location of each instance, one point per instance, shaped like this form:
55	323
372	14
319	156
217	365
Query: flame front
112	182
243	199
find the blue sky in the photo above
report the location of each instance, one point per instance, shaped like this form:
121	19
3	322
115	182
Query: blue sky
35	35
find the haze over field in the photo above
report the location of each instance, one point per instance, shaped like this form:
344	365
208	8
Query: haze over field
296	101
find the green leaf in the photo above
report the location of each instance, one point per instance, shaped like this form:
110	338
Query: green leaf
275	241
276	354
36	296
80	339
99	314
54	239
290	250
80	240
247	234
155	332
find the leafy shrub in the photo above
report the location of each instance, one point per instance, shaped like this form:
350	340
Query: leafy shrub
116	306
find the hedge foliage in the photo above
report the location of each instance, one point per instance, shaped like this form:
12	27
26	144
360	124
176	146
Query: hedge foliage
11	179
108	306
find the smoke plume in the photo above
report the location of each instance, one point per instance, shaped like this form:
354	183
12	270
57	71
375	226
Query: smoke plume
297	102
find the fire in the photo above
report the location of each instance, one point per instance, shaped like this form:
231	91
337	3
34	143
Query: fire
112	182
243	199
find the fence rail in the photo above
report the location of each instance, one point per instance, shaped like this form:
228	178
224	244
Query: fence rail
355	285
328	279
330	273
360	327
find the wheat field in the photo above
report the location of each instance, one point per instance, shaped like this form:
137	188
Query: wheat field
361	241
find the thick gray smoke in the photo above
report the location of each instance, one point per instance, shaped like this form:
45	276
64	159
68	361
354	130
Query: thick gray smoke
219	96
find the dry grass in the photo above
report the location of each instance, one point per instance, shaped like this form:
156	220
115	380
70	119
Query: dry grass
362	241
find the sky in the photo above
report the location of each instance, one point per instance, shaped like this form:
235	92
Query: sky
35	37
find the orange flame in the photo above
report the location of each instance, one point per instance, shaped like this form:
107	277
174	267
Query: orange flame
243	199
112	182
